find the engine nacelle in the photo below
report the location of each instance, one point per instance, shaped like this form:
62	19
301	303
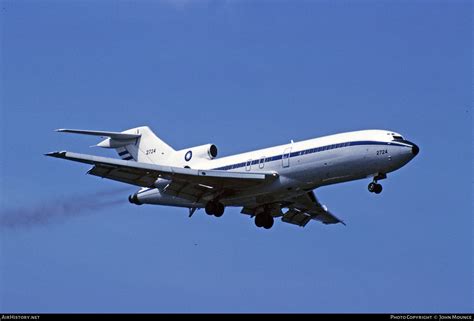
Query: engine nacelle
134	199
208	151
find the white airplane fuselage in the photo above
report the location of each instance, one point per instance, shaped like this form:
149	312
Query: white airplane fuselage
301	166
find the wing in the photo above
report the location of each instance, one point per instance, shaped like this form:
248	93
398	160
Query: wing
191	182
306	207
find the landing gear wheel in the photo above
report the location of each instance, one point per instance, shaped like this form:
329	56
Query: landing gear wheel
215	208
268	222
211	208
259	220
372	187
264	220
375	188
378	189
219	210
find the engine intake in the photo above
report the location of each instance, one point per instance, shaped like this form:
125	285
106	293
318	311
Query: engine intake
213	151
208	151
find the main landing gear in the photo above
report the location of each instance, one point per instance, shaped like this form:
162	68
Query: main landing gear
264	220
215	208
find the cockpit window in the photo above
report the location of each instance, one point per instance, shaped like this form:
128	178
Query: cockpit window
396	137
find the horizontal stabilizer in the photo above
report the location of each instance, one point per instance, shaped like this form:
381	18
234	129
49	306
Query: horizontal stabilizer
113	135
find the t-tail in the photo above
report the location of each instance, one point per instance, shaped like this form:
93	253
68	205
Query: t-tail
136	144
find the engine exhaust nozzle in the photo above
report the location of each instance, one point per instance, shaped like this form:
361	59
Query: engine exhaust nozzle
134	199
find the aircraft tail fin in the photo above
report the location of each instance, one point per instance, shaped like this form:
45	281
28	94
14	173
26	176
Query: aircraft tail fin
136	144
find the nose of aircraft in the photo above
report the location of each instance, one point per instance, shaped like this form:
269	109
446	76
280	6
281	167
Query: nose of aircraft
414	149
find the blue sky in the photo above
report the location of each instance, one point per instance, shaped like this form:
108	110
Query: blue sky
242	75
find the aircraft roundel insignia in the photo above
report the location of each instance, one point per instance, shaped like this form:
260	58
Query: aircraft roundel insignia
188	156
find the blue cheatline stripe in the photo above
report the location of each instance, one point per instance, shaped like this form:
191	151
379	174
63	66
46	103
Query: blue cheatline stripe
128	158
123	153
310	151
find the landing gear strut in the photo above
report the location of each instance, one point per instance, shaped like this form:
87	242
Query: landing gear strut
215	208
264	220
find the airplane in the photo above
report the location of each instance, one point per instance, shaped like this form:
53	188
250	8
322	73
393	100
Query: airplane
267	183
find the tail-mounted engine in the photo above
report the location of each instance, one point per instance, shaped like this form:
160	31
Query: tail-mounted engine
208	151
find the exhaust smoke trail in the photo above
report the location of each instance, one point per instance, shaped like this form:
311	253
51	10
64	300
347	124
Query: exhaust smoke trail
60	209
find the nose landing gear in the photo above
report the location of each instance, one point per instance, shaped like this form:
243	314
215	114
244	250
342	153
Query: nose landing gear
375	188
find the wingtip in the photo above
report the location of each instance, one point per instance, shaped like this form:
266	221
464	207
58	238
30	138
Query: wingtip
56	154
59	130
